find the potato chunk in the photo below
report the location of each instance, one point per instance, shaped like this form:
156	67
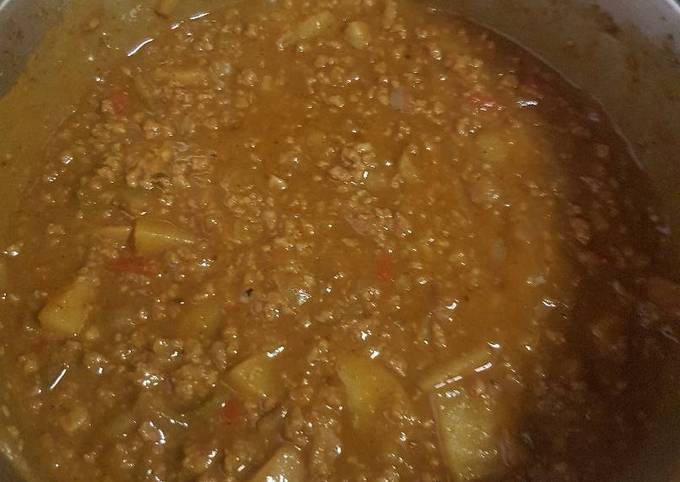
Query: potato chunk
200	320
370	387
438	375
407	166
284	466
257	376
389	15
189	77
117	233
165	8
358	34
493	148
310	27
468	432
66	312
153	236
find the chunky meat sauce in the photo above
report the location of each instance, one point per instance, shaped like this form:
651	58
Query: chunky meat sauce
334	240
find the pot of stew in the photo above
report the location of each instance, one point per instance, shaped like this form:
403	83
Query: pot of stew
339	240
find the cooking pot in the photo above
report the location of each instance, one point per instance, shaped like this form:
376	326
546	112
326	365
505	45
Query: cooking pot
625	53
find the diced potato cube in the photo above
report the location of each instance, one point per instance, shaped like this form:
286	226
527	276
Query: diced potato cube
143	87
120	425
119	234
311	27
485	190
389	14
153	236
189	77
493	148
165	8
370	387
468	433
257	377
66	312
358	34
135	201
284	466
277	184
200	320
377	181
407	166
75	419
439	375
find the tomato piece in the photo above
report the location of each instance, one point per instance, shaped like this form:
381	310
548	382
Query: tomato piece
384	266
120	100
232	412
135	265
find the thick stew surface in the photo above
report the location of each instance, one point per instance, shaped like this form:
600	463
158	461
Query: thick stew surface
334	240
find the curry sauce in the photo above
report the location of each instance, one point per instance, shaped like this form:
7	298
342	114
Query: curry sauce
343	240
